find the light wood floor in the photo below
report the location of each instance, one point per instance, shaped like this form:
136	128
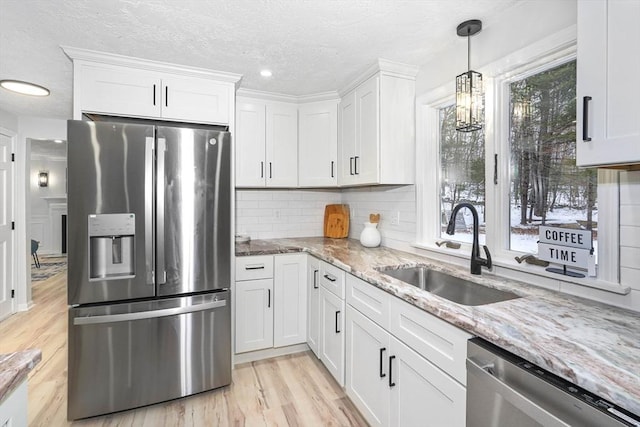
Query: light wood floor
292	390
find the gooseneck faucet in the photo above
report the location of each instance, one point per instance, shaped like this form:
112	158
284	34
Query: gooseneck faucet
476	260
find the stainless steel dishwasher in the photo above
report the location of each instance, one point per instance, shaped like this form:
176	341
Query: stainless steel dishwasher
506	390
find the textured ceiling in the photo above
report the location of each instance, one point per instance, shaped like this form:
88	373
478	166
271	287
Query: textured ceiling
311	46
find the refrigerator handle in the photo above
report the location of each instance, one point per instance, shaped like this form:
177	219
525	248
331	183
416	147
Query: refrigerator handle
161	274
149	210
151	314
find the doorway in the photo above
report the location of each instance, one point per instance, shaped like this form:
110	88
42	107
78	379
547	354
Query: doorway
48	208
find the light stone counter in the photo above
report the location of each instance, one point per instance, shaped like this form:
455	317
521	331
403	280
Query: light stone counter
591	344
14	368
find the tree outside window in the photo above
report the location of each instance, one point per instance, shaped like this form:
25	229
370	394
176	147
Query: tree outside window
546	187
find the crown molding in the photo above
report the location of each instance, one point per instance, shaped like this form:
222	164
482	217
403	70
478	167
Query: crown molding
385	68
281	97
77	54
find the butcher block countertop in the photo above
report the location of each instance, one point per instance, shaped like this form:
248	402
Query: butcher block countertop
14	368
594	345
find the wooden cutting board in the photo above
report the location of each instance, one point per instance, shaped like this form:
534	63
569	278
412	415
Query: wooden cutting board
336	221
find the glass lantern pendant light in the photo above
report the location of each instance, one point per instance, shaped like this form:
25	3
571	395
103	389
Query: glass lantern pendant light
469	92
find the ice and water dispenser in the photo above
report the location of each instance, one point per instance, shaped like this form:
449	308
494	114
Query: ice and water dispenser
111	246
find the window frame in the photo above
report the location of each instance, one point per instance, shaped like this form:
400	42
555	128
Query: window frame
545	54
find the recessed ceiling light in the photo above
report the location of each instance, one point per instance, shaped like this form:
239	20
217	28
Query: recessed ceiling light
266	73
24	88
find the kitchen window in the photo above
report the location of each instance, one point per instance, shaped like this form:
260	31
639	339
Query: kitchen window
518	171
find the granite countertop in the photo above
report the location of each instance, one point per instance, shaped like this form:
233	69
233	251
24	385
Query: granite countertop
14	368
594	345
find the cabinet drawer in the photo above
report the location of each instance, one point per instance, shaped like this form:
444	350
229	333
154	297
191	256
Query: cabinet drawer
441	343
332	278
368	300
254	267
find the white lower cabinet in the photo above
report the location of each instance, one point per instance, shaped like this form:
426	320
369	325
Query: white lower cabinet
386	378
290	300
367	367
332	333
270	301
254	315
313	307
422	394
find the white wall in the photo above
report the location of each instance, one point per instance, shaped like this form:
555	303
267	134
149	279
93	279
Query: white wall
42	227
8	121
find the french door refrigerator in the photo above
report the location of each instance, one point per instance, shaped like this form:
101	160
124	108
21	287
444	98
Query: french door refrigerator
149	213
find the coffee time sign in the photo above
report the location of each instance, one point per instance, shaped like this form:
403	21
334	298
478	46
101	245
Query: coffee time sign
567	246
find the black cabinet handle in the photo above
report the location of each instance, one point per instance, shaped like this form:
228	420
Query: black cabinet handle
382	374
585	118
391	383
329	278
261	169
495	169
154	94
254	267
166	96
350	165
355	165
315	279
270	171
337	314
269	298
332	168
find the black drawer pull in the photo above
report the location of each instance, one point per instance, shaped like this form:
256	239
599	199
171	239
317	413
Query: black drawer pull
254	267
382	374
391	383
585	118
329	278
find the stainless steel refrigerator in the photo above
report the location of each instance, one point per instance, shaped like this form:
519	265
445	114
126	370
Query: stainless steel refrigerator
149	225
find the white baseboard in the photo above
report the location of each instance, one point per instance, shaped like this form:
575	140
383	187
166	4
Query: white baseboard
268	353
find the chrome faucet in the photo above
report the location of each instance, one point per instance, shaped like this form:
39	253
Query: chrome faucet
476	260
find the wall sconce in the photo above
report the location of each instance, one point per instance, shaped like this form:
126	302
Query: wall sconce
43	179
469	91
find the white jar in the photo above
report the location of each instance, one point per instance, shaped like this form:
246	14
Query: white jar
370	236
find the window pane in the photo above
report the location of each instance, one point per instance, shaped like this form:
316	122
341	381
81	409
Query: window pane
461	176
546	186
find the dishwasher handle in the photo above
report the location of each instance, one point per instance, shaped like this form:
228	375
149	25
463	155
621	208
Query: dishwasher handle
149	314
513	396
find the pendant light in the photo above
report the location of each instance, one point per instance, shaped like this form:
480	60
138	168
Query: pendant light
469	91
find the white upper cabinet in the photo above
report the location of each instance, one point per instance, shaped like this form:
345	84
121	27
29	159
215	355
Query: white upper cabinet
266	143
376	136
131	87
608	118
318	144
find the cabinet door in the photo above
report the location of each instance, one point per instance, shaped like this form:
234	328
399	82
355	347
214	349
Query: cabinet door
347	138
318	144
290	300
192	99
281	167
421	394
367	367
313	310
332	335
118	90
250	143
607	71
367	160
254	315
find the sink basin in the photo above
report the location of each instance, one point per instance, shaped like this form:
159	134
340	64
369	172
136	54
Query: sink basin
454	289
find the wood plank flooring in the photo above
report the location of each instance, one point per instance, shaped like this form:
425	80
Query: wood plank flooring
293	390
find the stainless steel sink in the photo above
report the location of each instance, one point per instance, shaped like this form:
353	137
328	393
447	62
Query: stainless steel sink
452	288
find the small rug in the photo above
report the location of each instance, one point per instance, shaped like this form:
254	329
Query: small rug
50	265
